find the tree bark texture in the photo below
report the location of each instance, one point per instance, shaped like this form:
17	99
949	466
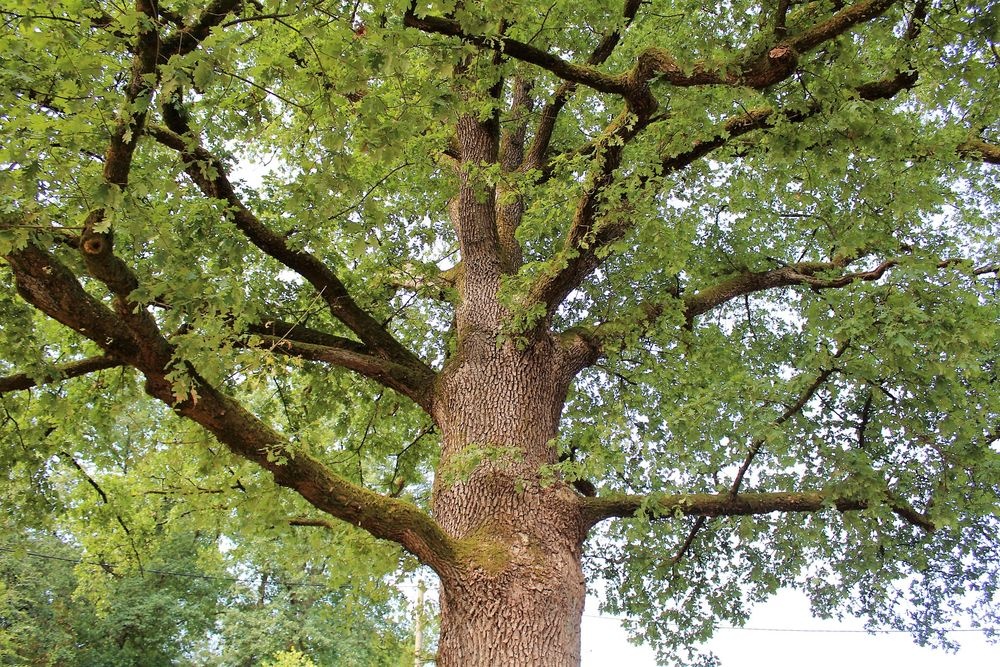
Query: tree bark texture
518	596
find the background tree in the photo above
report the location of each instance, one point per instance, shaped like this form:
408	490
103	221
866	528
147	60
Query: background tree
56	611
183	606
711	286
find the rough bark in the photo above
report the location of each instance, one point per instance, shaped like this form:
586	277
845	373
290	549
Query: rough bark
518	597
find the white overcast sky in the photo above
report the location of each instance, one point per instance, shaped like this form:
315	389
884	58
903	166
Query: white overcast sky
804	641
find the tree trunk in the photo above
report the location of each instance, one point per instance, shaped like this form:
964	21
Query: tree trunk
517	597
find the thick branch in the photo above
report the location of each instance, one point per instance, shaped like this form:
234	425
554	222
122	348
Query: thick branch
47	284
125	135
764	117
510	204
513	48
150	51
977	149
724	504
96	241
839	23
512	138
912	516
59	373
755	448
245	435
583	258
474	211
780	14
190	36
755	71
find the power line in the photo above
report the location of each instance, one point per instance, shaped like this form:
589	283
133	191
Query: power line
886	631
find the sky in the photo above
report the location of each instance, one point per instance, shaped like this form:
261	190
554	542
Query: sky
827	643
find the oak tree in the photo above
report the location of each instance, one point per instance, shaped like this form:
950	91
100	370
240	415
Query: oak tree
691	301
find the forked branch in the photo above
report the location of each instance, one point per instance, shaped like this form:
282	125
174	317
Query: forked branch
593	231
589	344
210	175
538	152
750	69
187	38
815	275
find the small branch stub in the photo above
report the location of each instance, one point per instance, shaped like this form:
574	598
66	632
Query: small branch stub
94	245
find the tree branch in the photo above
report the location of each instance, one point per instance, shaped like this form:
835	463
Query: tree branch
688	541
547	122
755	448
209	174
311	523
190	36
395	376
789	412
245	435
592	229
73	369
756	281
588	236
752	70
299	333
598	509
802	273
582	259
47	284
977	149
150	51
96	241
518	50
587	345
100	491
780	14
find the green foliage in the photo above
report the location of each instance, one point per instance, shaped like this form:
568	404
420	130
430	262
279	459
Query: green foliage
59	610
60	607
336	122
290	658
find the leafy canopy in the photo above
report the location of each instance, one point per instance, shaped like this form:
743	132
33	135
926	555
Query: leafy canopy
773	223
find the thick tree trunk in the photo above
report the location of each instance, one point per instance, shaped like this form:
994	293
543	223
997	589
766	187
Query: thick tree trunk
518	595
